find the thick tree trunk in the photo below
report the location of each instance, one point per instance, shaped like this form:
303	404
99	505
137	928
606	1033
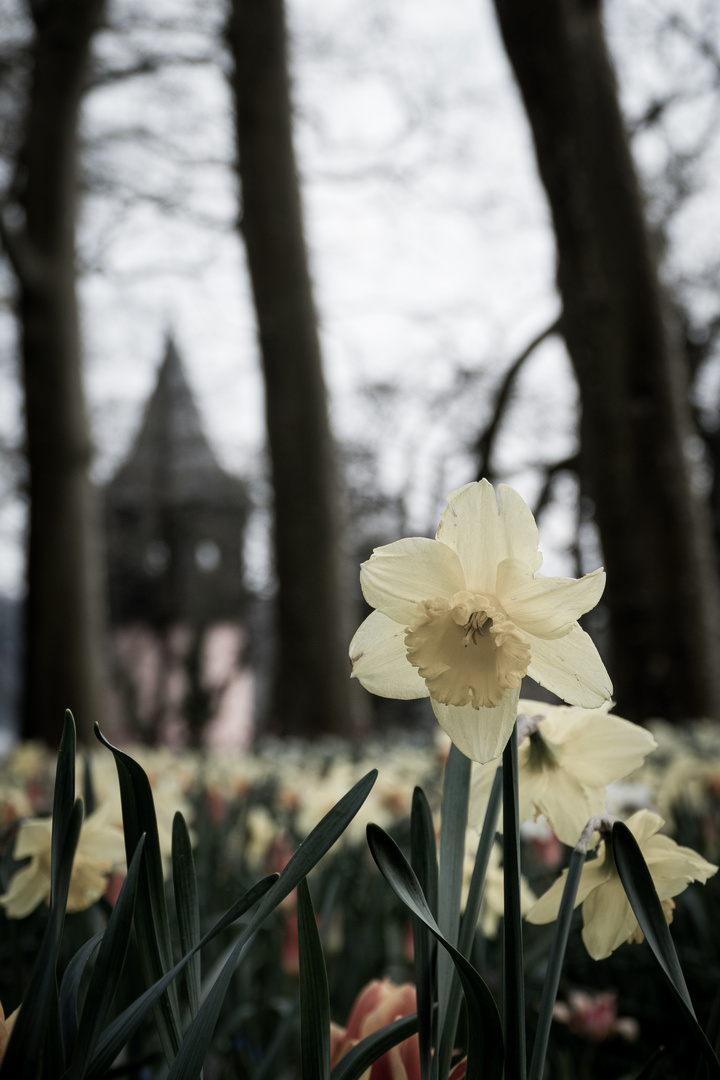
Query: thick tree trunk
312	692
662	592
63	612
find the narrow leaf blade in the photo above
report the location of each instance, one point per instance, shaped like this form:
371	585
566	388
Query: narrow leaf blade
640	889
486	1053
314	994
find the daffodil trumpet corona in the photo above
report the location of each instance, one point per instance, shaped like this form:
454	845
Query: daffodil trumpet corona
461	619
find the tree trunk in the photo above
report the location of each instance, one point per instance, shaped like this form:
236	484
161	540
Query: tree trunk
311	689
661	591
63	612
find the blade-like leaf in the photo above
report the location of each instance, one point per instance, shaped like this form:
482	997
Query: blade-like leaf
120	1030
24	1050
108	967
88	788
187	906
189	1060
63	796
640	889
152	925
314	995
555	962
361	1057
485	1039
649	1068
456	790
513	970
69	989
423	858
472	913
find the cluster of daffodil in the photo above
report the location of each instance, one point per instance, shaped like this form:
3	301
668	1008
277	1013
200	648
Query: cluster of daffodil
461	619
274	796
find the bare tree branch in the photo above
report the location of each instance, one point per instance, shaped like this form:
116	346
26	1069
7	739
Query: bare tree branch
486	441
568	464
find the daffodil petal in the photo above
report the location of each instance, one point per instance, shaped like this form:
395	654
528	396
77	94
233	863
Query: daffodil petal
481	734
379	661
671	863
399	576
643	824
28	888
603	748
568	805
546	606
34	837
103	842
608	919
484	534
533	785
480	787
594	874
570	667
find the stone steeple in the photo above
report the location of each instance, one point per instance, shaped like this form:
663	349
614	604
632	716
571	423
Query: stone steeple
175	518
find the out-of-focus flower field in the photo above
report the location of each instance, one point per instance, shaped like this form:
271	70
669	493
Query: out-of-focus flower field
249	812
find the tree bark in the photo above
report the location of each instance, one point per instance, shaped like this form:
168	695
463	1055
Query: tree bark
63	607
311	689
661	594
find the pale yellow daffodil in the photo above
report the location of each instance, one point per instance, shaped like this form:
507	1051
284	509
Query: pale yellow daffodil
565	761
462	618
608	918
101	848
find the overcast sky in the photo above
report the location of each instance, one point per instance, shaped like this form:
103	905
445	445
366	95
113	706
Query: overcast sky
431	248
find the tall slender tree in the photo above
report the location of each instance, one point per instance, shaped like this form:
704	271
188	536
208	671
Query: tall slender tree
312	692
38	222
662	592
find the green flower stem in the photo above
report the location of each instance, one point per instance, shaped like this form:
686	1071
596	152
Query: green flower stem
555	962
513	974
470	918
456	792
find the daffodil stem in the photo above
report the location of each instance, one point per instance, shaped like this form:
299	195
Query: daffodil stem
456	792
513	973
555	961
470	917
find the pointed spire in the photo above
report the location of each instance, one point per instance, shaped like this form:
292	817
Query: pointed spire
171	462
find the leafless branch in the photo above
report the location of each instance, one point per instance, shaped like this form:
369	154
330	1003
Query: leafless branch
486	442
568	464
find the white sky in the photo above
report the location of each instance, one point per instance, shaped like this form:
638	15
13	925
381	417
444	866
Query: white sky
430	242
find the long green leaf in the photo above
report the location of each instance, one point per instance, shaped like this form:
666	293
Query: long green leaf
152	925
368	1050
423	858
63	796
640	889
120	1030
456	791
555	962
187	906
24	1050
485	1039
314	994
108	968
472	912
650	1066
69	989
189	1060
513	969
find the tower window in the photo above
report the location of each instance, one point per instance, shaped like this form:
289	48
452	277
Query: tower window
157	558
207	556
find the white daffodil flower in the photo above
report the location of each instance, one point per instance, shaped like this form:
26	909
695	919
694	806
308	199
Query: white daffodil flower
100	849
567	756
462	618
608	918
